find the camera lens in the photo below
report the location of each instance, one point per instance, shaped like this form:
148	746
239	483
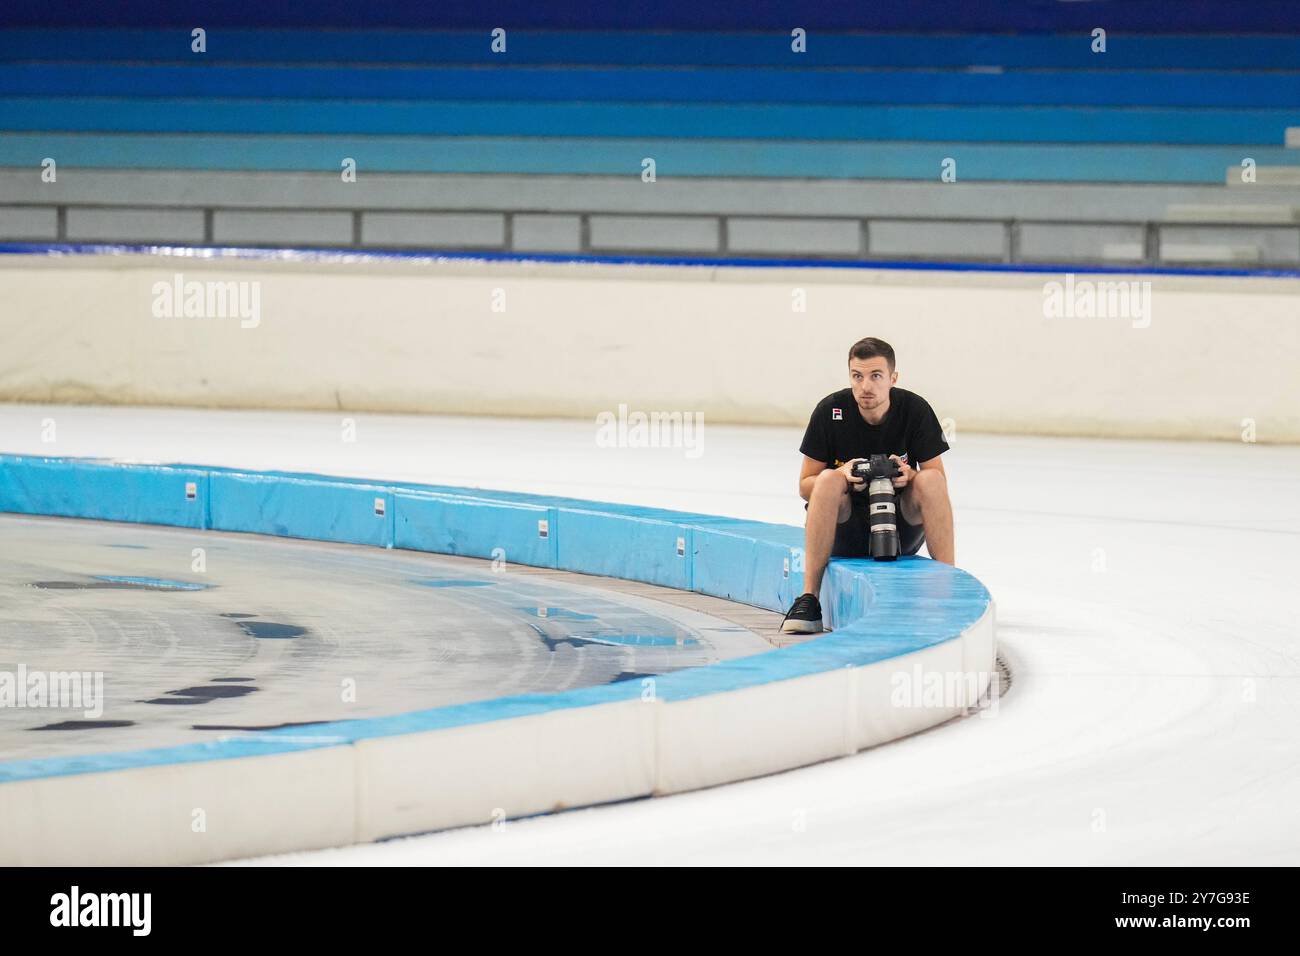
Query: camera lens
882	517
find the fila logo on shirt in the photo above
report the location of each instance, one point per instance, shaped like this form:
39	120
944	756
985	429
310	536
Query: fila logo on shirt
836	415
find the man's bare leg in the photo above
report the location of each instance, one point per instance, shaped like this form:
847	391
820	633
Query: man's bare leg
925	502
828	505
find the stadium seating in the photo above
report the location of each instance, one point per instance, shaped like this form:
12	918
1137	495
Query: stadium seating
978	146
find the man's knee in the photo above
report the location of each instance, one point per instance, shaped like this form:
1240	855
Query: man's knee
929	488
927	491
830	482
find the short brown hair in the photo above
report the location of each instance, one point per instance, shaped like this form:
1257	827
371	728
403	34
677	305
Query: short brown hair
870	348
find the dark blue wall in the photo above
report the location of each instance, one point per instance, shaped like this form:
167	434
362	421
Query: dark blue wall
1167	16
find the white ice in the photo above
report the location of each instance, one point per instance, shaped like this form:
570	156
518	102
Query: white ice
1146	596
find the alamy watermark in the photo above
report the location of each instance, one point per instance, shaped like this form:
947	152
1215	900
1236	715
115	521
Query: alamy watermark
639	429
1100	299
968	690
54	690
130	910
209	299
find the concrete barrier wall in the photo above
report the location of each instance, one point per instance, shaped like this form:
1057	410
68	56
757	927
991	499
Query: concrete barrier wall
301	788
1189	356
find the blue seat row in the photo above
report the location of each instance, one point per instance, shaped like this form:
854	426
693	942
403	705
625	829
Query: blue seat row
623	157
1105	88
687	48
970	16
971	124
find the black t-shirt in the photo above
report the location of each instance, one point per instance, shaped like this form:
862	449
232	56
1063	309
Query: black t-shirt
838	433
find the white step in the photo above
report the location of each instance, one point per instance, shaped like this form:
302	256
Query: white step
1207	252
1238	213
1127	251
1265	176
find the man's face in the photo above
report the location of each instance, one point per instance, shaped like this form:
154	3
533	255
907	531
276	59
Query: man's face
871	380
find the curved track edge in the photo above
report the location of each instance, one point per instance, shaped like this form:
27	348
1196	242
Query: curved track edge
896	626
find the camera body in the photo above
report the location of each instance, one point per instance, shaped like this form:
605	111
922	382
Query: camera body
875	467
879	472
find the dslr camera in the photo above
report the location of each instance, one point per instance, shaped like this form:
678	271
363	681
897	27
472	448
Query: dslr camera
879	472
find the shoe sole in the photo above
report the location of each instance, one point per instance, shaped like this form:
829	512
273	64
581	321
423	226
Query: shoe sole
801	627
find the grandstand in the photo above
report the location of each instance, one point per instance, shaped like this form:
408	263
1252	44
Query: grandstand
1009	138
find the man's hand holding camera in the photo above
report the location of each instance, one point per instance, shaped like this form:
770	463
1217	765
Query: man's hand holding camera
907	473
856	482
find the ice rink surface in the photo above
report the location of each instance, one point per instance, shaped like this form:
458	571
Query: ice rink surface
1146	596
276	632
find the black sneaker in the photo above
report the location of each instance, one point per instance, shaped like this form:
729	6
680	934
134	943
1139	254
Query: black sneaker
804	616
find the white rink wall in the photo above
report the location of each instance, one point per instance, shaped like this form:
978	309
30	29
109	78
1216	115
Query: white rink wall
1188	357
